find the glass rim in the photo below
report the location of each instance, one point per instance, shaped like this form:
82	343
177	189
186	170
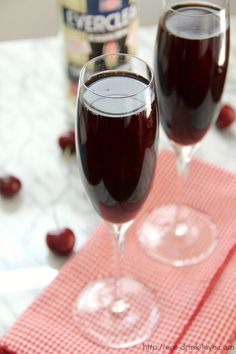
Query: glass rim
225	5
82	72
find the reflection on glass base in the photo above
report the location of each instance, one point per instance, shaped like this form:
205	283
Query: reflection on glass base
189	241
122	324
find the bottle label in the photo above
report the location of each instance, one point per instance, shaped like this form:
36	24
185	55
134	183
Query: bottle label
97	23
96	27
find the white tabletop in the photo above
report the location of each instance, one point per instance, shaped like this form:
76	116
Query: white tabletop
33	115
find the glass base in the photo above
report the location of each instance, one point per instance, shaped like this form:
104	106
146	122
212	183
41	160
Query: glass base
189	241
118	324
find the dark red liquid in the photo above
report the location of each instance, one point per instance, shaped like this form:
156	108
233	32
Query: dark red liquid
116	141
190	68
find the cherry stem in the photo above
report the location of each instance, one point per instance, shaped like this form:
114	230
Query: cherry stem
67	152
55	216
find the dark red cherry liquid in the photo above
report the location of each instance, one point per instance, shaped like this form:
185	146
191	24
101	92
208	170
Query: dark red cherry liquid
116	142
190	68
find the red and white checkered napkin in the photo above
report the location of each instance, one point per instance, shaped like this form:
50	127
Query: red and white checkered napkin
197	303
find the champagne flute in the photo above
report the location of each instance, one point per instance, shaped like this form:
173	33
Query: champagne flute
191	59
116	129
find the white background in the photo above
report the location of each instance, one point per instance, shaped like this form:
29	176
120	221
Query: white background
39	18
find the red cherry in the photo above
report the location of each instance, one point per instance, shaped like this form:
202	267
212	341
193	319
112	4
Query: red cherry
226	117
5	350
9	186
67	141
61	241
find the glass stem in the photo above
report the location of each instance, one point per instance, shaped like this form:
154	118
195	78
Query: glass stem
119	305
184	155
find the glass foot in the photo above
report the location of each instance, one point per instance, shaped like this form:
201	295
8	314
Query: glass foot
189	241
118	324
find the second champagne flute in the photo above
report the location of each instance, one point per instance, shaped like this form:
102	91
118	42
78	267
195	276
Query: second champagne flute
191	59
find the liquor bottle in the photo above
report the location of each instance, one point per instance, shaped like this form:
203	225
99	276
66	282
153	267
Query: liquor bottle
92	28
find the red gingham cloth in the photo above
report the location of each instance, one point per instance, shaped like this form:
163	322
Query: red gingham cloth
197	303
